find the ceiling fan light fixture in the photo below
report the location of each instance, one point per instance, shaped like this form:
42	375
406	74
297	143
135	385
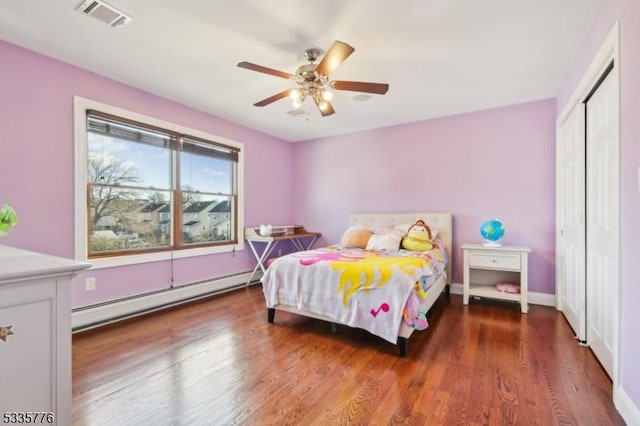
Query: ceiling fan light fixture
313	80
294	94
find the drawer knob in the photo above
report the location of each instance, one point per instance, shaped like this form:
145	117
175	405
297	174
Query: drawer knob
5	332
493	260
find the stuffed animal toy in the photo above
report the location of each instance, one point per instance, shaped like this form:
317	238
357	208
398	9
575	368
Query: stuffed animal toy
418	238
412	313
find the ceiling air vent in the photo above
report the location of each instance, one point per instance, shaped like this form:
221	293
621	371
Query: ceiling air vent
102	11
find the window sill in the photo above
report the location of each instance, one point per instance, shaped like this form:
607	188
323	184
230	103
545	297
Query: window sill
111	262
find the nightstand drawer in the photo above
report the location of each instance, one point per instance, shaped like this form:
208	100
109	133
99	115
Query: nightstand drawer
498	261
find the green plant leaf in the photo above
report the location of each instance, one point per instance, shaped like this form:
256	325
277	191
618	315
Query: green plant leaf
8	218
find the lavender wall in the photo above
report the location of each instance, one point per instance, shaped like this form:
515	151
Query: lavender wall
36	156
494	163
627	12
630	158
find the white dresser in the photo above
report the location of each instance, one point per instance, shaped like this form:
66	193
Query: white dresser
484	267
35	336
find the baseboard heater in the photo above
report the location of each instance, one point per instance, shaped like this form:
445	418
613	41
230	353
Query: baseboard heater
92	316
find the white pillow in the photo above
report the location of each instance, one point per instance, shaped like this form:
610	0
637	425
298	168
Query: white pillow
404	228
384	229
390	241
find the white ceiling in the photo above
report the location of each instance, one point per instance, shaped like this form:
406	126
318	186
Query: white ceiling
440	57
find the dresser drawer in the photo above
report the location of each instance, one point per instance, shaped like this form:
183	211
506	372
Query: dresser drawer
491	260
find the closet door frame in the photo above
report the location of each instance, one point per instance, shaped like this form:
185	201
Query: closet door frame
608	52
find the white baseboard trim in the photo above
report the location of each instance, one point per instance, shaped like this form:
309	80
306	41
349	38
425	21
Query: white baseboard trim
533	298
455	288
626	407
93	316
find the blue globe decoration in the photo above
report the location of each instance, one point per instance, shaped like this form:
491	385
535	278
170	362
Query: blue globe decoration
492	230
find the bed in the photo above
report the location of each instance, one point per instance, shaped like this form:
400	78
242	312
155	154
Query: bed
386	292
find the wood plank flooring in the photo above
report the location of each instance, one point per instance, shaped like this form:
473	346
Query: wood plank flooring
219	362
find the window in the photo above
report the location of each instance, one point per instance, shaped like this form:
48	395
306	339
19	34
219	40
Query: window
153	187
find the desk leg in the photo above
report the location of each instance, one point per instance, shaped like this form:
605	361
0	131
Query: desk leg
255	269
313	240
301	246
297	244
261	257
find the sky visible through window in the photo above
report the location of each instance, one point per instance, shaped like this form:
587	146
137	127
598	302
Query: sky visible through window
153	164
205	174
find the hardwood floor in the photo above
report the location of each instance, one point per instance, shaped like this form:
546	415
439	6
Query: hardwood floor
219	362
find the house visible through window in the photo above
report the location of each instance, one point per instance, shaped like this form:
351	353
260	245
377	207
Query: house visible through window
154	189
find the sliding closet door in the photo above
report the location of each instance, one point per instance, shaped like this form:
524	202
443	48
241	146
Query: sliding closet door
570	202
588	207
602	219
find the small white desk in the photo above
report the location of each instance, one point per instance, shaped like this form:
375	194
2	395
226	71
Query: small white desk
299	237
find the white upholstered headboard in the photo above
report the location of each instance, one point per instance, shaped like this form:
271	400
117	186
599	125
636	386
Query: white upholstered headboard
441	221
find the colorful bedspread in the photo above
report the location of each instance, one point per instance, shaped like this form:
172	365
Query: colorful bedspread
373	290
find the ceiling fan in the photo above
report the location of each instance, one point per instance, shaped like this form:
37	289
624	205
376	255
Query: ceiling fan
313	79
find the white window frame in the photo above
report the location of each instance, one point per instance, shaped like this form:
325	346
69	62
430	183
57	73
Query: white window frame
80	106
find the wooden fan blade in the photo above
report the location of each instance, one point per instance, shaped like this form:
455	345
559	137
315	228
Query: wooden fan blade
273	98
327	111
260	68
361	86
336	55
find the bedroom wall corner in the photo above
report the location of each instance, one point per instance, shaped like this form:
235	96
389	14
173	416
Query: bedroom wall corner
480	165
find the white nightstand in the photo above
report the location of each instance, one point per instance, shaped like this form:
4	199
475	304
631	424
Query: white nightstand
484	267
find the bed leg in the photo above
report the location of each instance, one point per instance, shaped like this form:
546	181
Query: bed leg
271	313
447	289
403	343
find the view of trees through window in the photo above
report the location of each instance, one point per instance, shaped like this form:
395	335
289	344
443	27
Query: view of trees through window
132	186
